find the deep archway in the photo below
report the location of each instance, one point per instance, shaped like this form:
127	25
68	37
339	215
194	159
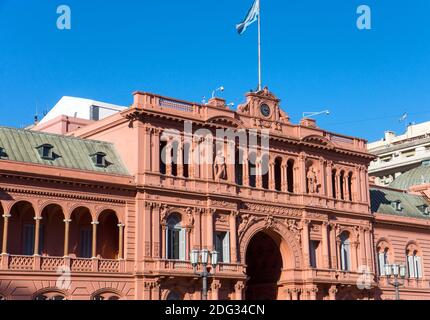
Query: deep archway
264	267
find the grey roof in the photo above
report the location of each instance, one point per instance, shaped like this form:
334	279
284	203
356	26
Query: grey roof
382	199
73	153
413	177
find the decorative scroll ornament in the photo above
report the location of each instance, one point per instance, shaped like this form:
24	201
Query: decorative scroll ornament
293	226
164	211
245	221
190	217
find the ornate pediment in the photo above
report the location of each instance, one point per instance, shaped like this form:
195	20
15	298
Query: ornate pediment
319	141
264	107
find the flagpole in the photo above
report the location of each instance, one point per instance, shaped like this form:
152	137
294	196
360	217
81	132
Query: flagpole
259	45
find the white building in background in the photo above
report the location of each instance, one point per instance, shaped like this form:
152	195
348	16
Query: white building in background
399	154
71	113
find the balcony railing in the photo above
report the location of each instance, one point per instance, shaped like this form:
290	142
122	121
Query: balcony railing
53	264
186	267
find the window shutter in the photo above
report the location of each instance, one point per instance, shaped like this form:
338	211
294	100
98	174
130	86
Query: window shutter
419	267
226	248
411	267
182	244
382	264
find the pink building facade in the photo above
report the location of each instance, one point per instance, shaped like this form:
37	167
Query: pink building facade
113	208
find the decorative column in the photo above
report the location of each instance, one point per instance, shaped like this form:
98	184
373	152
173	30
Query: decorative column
325	243
305	242
362	243
156	232
156	151
231	160
346	186
312	293
147	147
284	183
66	236
238	290
210	228
259	172
163	241
215	286
95	224
302	173
338	190
329	172
147	222
37	235
245	167
369	248
272	175
180	157
334	247
294	294
323	179
121	242
233	236
332	292
169	148
5	231
363	182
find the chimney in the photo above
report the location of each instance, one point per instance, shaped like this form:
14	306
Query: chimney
217	102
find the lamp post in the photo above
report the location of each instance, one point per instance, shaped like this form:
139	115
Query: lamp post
204	261
398	273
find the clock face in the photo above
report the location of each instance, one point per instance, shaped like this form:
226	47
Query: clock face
265	110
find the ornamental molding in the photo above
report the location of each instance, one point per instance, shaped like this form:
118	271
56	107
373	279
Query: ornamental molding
274	210
35	194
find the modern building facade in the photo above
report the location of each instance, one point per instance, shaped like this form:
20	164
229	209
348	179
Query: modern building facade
396	155
113	208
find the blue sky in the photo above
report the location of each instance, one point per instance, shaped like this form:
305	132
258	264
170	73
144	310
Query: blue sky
314	57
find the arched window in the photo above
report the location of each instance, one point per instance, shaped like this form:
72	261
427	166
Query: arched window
414	262
175	157
163	145
278	174
345	252
350	186
290	175
175	239
383	257
265	171
186	160
252	168
342	185
239	166
333	183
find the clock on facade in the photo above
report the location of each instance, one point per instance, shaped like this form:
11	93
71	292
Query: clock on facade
265	110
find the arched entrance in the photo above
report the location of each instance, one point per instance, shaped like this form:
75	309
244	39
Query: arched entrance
264	267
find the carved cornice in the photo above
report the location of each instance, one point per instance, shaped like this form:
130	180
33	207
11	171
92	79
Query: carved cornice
59	195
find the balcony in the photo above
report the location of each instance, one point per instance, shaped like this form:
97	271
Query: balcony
177	267
53	264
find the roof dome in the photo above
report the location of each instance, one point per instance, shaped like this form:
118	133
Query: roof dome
413	177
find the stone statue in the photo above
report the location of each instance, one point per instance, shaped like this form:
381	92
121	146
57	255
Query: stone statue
220	167
312	181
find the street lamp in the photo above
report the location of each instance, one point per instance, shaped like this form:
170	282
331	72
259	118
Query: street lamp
396	272
204	260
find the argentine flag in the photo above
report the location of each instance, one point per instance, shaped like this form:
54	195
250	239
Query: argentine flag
251	17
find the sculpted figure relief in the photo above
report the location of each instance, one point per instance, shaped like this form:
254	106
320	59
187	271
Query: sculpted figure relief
220	167
313	184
